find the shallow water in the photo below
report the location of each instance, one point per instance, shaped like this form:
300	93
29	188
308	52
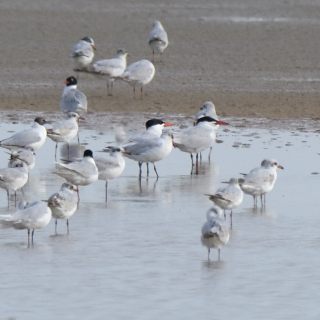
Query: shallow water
140	256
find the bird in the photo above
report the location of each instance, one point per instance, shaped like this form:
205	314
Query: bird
14	177
157	39
110	165
25	154
64	203
149	150
260	180
73	100
214	233
64	130
31	216
83	54
82	172
138	74
112	69
33	138
208	109
197	138
229	197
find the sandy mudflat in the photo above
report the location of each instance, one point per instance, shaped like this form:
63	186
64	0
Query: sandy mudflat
253	59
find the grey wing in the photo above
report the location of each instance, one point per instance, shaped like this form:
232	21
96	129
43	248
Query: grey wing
137	71
73	101
108	67
22	138
104	162
81	50
142	145
257	177
157	34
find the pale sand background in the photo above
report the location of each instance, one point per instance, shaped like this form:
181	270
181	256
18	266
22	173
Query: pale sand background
251	58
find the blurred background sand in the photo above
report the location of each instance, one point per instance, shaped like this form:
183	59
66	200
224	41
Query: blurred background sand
251	58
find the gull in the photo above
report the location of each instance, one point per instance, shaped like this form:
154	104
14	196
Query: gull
82	172
35	215
33	138
157	39
207	110
63	204
197	138
82	53
154	129
229	197
73	100
64	130
214	233
149	150
260	180
14	177
111	68
110	165
138	74
26	154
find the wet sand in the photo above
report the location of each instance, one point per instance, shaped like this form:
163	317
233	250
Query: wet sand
252	59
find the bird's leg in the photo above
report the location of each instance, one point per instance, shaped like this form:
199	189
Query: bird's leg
191	159
200	157
140	169
141	90
22	191
28	236
134	92
147	169
160	56
197	163
15	198
8	197
208	254
218	254
264	200
67	226
56	223
153	55
55	152
32	236
209	154
155	170
231	219
224	213
261	199
106	190
68	151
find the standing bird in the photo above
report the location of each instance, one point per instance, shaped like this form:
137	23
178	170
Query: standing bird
26	155
138	74
73	100
14	177
82	53
214	233
65	130
63	204
197	138
35	215
112	69
260	180
83	172
110	165
229	197
158	39
149	150
33	138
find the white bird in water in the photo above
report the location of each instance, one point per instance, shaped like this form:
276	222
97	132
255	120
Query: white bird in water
260	180
149	150
64	203
14	177
33	138
110	165
82	53
72	99
158	39
26	155
112	69
83	172
215	233
139	74
229	197
64	130
31	216
197	138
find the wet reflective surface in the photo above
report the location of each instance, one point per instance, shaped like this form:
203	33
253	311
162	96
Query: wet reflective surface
140	255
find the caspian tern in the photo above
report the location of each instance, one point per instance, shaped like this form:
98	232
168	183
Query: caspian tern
73	100
64	203
34	215
157	39
82	53
64	130
260	180
110	165
112	69
138	74
197	138
214	233
33	138
229	197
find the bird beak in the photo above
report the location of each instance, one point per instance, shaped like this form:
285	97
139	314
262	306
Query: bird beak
225	182
94	47
280	167
168	124
221	122
65	82
81	118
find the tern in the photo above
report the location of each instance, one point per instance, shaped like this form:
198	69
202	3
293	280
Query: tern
82	53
